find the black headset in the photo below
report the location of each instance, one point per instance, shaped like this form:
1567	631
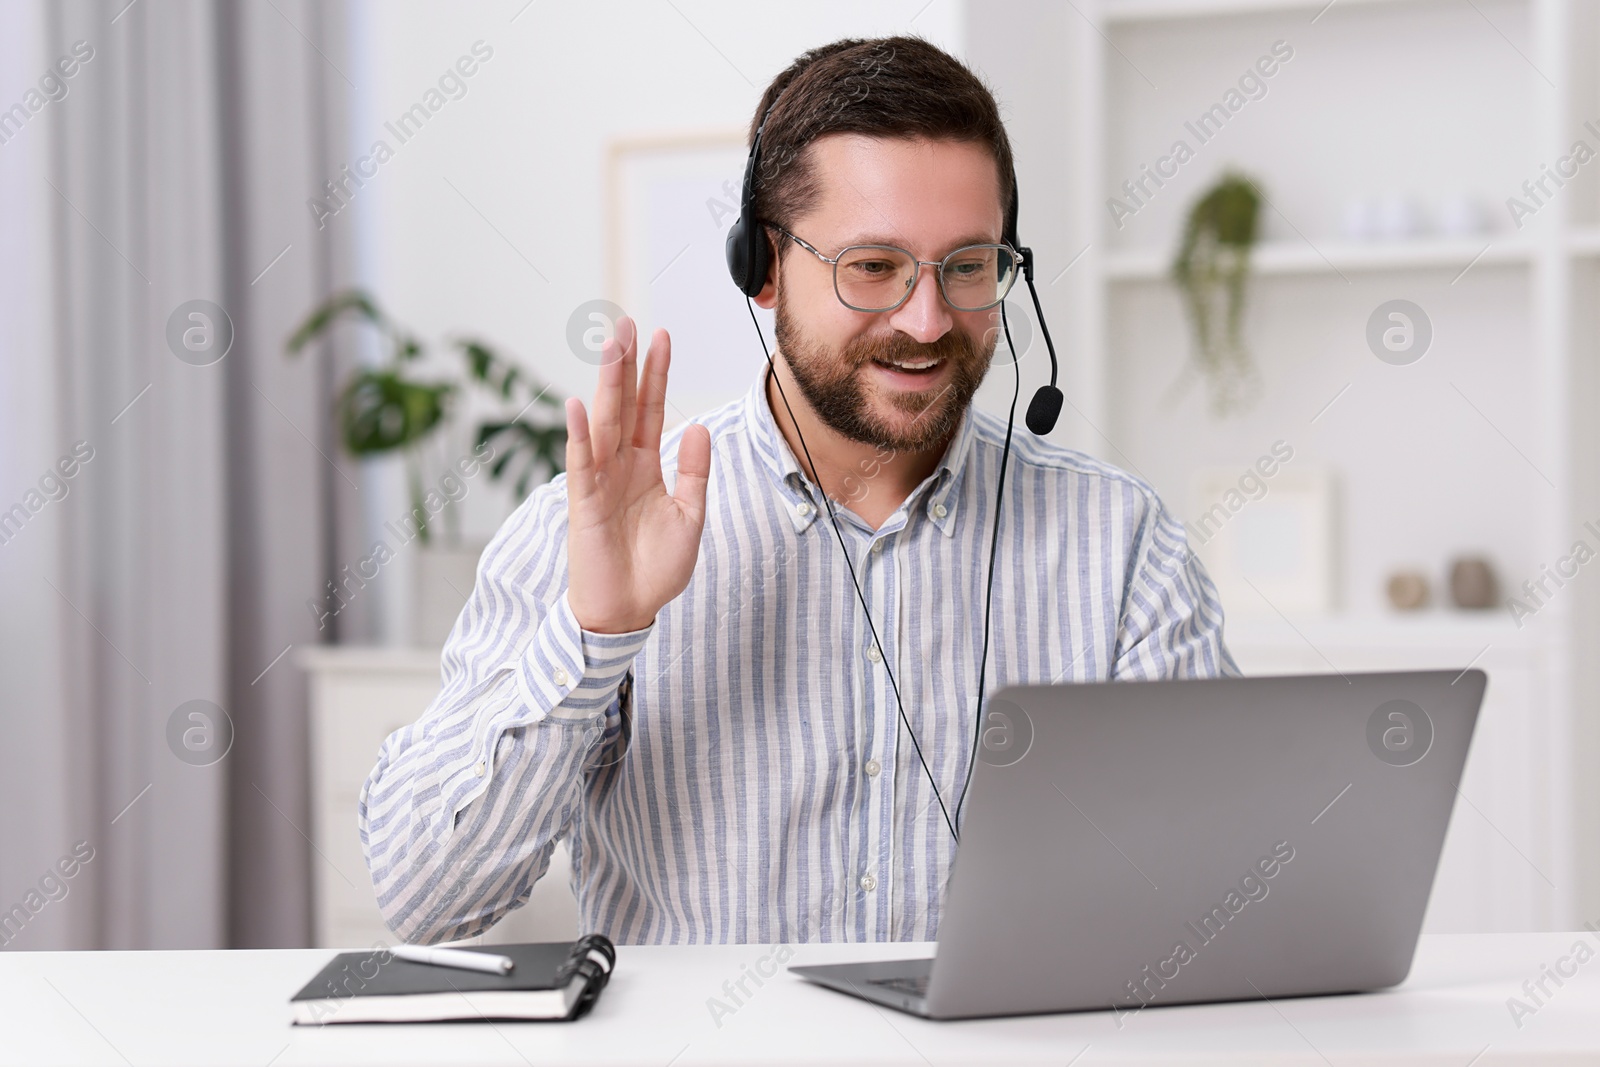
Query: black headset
750	257
749	261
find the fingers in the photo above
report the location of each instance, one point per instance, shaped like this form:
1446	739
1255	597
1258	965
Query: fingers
580	457
605	424
694	470
604	419
628	337
653	393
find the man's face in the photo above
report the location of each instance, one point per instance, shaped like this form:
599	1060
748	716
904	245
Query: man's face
930	198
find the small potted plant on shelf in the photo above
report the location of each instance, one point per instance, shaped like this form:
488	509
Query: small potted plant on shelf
1212	270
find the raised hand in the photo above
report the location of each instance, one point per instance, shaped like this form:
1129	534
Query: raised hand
631	547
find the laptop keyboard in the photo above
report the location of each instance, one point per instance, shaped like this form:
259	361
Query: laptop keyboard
917	986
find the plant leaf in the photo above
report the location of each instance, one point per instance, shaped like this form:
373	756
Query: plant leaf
379	411
532	447
323	315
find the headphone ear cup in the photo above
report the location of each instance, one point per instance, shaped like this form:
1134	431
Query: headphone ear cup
760	259
737	254
748	256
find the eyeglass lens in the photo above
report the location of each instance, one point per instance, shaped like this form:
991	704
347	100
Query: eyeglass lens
875	278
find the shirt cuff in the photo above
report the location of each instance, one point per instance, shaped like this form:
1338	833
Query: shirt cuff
573	668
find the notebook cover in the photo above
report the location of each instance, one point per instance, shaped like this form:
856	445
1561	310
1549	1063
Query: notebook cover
379	974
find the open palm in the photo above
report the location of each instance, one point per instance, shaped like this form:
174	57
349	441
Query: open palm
631	546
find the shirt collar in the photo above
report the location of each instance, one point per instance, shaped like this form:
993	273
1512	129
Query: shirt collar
802	496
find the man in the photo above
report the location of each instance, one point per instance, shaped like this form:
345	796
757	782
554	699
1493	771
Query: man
682	683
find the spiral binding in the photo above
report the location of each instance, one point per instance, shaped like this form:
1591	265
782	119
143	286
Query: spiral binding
595	976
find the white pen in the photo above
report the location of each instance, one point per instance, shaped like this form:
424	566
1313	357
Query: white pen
455	957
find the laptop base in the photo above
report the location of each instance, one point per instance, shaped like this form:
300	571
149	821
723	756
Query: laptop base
900	984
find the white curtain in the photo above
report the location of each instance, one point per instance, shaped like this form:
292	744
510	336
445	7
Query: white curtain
173	167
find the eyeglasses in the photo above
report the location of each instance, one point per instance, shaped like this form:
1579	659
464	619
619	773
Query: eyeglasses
880	277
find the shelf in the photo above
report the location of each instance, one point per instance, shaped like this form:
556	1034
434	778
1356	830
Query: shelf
1123	12
1294	257
1435	628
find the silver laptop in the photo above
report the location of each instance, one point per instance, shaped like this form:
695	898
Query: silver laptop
1129	845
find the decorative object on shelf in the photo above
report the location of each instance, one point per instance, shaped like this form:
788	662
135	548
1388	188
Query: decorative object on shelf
1408	590
1461	215
1396	216
1359	220
1212	267
1472	584
382	410
1399	217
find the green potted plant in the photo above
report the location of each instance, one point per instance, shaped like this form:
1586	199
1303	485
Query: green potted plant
385	409
1212	271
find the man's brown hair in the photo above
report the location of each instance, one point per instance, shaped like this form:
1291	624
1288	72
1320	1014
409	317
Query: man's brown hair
882	87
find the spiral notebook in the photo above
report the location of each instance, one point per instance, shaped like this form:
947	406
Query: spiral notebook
551	980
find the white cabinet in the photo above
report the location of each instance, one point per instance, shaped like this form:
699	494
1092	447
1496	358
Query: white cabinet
359	696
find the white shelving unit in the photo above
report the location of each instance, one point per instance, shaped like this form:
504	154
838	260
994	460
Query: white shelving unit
1456	256
1123	12
1486	446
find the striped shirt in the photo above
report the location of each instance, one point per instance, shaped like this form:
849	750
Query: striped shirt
737	771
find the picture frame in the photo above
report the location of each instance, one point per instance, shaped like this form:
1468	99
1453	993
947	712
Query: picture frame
1267	542
669	203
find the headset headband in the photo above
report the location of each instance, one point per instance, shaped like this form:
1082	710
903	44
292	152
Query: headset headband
749	257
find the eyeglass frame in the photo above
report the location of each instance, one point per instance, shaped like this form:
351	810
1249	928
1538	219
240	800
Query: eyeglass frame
916	276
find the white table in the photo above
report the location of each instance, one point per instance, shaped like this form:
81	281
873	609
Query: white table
227	1008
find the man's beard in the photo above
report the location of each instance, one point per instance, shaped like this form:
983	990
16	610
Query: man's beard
832	383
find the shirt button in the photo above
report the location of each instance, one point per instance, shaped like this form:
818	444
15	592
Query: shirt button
877	546
560	677
802	509
872	768
868	882
873	654
940	511
481	769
